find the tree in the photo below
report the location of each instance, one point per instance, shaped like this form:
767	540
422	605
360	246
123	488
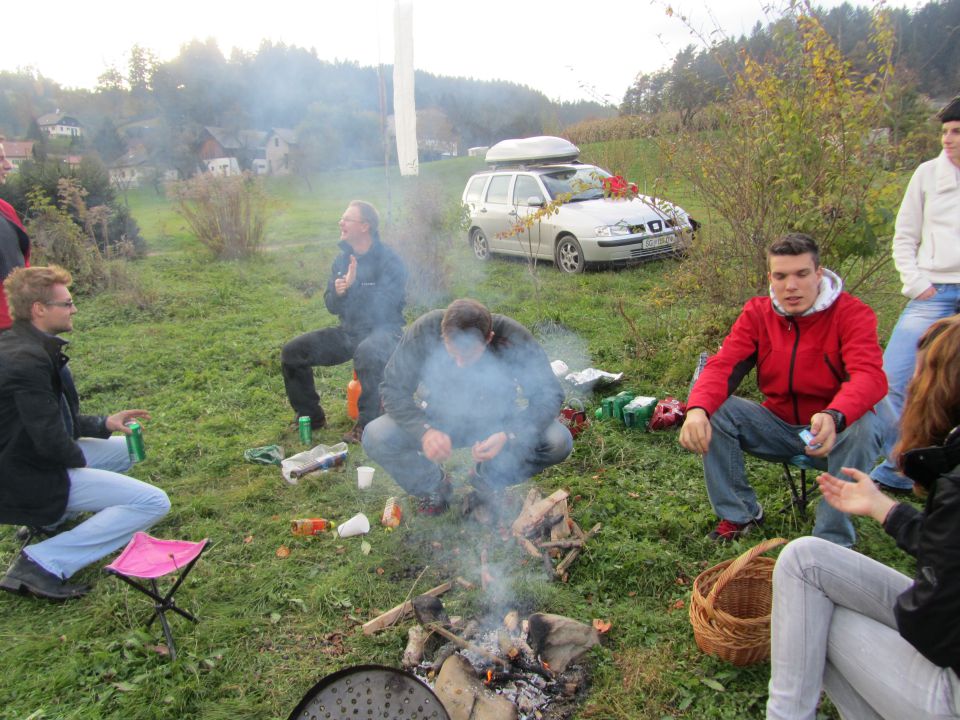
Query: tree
108	143
794	151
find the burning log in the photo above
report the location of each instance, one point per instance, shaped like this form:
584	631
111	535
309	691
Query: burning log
508	648
465	644
416	639
400	612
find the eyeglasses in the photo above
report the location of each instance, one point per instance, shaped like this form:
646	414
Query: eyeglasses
346	219
62	303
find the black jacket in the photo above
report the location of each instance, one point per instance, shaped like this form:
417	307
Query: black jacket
376	298
928	613
511	388
36	391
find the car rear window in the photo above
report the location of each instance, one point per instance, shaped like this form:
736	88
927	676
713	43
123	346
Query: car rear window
475	189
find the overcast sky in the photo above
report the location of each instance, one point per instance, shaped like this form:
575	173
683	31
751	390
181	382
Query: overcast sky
569	50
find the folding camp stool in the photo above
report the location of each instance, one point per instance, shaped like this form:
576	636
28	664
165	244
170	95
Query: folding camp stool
149	558
800	493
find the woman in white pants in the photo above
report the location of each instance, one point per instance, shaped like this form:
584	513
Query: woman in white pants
882	645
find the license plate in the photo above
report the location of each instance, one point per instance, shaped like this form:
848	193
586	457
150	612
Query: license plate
656	242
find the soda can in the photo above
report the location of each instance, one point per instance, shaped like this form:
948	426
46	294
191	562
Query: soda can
306	431
135	446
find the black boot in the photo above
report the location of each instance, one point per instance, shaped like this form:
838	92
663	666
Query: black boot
25	576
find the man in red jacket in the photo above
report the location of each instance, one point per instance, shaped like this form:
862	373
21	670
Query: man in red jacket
14	243
819	366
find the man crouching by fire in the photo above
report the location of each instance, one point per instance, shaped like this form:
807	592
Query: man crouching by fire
463	377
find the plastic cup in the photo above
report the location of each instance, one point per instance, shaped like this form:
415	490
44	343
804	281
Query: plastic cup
364	477
357	525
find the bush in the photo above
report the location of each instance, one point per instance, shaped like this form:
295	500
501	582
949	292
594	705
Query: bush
227	214
56	239
794	150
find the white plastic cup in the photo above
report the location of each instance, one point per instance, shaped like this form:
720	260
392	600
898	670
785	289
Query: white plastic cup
357	525
364	477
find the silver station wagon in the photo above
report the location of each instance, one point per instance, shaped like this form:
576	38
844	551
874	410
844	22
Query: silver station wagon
588	227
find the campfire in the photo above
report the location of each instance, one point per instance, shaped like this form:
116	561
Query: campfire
504	667
513	671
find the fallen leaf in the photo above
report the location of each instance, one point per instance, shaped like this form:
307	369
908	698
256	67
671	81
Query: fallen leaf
380	571
632	593
283	552
365	547
633	495
248	539
274	517
436	545
678	605
124	686
159	649
681	581
601	626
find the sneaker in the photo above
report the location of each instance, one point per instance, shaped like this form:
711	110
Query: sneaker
895	491
438	501
727	530
354	435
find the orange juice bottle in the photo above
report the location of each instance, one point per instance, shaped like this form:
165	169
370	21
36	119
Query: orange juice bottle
392	513
353	397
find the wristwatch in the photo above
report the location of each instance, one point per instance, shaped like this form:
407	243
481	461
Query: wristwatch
839	421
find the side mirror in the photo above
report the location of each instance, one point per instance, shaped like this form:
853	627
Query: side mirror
535	201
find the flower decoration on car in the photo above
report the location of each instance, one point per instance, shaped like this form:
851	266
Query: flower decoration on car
615	186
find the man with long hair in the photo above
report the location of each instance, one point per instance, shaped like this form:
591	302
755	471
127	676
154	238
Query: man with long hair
882	645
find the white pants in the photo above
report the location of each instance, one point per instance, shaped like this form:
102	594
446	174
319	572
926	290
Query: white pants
833	629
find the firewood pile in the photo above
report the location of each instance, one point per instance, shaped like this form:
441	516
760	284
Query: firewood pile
545	530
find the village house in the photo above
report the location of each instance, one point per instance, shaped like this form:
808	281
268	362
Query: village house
281	145
17	151
227	152
59	124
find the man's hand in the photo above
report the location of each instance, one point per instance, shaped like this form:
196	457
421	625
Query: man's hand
696	431
342	284
488	449
118	421
436	446
824	432
927	294
861	497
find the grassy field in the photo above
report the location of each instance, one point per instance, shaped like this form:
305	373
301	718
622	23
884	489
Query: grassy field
198	344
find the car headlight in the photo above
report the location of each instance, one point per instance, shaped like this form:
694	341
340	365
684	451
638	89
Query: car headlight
611	230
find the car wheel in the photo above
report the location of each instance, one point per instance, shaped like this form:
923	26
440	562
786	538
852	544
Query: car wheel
569	255
480	245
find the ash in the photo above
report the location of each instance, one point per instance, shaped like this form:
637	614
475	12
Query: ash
535	696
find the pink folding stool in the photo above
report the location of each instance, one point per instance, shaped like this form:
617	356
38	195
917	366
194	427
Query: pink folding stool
149	558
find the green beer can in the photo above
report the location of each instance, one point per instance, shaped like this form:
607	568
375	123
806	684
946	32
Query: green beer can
306	434
138	453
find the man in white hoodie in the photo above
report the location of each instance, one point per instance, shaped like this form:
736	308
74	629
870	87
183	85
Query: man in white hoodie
818	367
926	251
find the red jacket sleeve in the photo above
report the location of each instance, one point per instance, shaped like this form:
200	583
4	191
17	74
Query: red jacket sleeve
865	384
724	371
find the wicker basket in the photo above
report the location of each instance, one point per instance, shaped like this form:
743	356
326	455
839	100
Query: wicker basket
730	606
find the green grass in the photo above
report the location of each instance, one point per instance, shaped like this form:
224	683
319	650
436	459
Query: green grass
201	351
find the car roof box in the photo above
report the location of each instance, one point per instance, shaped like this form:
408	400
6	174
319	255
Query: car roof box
526	151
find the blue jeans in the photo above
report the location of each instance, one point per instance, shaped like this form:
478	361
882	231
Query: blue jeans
744	426
832	628
122	506
399	453
898	364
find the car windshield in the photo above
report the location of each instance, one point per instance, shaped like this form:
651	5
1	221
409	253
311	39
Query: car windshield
583	183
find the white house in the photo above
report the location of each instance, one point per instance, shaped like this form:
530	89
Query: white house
60	124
